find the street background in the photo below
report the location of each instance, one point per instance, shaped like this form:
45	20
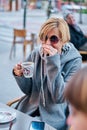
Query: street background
9	20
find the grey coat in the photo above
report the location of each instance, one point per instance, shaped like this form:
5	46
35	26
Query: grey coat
48	95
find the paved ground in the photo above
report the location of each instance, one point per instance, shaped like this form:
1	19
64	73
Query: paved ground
8	86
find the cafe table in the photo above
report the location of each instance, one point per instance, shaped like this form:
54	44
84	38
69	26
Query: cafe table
20	122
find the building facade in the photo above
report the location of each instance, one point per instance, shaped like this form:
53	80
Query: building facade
9	5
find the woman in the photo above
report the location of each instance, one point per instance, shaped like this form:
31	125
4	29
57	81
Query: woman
55	63
76	95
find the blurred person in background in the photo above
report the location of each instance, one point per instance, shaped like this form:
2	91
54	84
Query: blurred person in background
77	37
76	95
56	61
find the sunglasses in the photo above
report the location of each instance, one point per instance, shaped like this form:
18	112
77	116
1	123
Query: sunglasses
53	39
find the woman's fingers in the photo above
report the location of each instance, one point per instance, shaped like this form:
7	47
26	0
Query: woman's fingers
47	49
18	70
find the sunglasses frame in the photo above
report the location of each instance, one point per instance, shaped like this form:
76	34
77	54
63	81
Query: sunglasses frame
53	39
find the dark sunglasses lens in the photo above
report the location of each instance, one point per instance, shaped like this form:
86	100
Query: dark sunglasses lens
54	39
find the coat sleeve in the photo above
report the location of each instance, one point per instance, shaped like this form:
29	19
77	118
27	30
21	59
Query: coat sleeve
57	77
25	84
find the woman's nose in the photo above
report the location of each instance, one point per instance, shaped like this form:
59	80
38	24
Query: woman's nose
48	41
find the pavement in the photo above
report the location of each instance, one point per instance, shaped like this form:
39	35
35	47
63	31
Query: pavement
8	86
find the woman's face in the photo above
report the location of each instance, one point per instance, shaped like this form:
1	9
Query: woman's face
70	19
53	39
77	119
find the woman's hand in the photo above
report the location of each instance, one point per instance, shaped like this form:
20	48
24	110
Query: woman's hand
18	71
48	49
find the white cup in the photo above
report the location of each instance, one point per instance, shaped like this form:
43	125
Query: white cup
28	68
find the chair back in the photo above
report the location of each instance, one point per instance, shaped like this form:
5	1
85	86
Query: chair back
20	37
19	33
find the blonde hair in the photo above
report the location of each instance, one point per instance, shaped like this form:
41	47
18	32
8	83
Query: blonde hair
53	23
76	91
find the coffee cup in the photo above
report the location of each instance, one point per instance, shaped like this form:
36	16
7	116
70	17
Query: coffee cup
28	68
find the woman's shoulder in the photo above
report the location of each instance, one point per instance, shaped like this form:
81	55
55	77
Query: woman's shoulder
70	51
74	52
68	47
73	48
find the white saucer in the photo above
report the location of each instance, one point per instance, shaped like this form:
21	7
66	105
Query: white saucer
7	116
